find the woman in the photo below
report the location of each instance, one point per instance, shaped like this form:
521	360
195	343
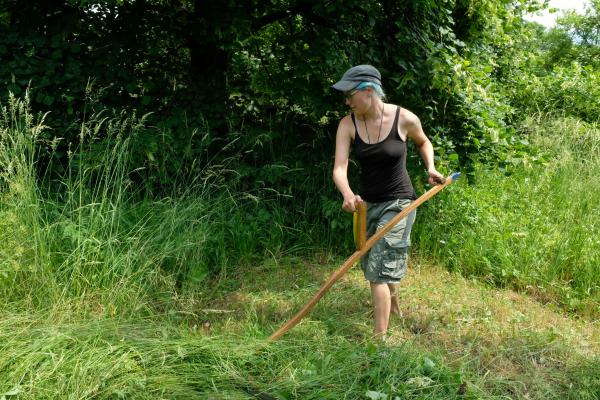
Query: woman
378	133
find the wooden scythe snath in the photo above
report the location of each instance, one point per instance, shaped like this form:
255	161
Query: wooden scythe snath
363	246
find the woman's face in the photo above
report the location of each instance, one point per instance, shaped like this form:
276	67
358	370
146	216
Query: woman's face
358	100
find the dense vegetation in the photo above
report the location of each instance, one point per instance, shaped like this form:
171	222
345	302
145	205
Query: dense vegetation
254	77
158	156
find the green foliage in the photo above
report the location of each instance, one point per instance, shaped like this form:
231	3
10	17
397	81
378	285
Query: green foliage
584	32
535	229
89	229
557	70
263	69
242	103
572	90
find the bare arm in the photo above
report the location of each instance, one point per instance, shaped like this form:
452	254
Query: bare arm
414	131
343	140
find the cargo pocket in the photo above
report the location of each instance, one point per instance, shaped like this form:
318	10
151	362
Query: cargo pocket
394	263
399	235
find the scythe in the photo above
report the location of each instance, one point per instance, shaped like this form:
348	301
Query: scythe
363	246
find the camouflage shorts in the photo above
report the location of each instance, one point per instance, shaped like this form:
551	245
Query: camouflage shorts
386	262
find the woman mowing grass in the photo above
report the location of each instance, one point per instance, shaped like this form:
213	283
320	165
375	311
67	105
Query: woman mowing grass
378	132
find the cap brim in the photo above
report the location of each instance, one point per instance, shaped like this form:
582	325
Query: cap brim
344	86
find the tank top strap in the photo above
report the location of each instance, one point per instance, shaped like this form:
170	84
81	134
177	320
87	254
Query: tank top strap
396	120
354	123
395	133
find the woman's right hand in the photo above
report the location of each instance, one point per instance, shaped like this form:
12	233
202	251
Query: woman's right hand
351	203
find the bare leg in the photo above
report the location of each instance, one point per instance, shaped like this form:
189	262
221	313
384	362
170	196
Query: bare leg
380	292
395	306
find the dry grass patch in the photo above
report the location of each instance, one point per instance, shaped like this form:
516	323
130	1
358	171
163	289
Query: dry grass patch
459	307
513	343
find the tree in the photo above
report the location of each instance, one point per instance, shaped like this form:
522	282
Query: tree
263	65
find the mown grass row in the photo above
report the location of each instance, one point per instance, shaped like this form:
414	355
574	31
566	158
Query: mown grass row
46	359
214	346
534	229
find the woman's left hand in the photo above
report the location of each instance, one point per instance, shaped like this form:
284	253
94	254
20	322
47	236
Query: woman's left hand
435	177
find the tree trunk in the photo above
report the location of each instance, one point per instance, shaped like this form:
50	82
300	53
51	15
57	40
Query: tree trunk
210	33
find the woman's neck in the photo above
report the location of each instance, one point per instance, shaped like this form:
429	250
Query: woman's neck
374	112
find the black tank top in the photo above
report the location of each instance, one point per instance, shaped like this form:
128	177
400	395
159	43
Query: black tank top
383	166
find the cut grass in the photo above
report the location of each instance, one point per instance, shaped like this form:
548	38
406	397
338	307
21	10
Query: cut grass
457	339
504	342
456	336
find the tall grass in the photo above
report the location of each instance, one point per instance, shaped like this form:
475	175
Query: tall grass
87	232
535	229
23	248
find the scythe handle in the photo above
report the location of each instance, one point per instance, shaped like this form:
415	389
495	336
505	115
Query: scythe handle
358	254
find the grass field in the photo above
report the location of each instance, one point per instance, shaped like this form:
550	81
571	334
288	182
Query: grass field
458	338
534	229
105	295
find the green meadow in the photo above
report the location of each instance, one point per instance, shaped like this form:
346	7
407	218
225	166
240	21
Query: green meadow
166	200
105	294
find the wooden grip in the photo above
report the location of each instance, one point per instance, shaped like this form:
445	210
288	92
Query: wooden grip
361	225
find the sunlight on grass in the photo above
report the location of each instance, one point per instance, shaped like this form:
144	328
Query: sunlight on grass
457	339
535	229
105	293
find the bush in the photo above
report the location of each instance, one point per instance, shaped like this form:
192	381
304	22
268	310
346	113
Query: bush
571	91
